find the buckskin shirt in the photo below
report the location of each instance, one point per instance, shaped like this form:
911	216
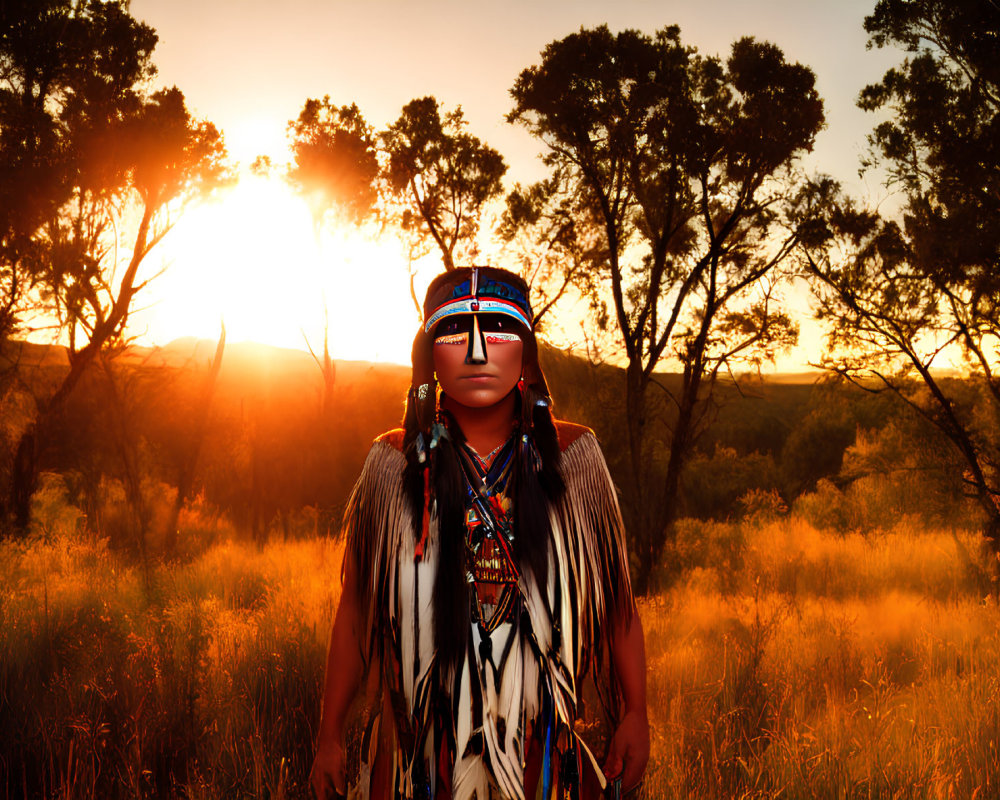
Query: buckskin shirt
506	713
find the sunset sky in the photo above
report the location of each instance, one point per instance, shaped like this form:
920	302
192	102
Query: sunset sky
248	66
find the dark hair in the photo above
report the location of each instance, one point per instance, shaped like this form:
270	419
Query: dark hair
536	480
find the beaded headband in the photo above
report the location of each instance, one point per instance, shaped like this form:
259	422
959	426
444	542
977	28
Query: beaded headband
483	292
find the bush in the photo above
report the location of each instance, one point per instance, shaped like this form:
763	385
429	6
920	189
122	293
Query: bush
761	505
826	508
712	486
713	550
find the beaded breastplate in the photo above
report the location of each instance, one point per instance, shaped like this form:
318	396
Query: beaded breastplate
491	568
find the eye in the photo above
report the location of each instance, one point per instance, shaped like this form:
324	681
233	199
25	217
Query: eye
507	328
449	327
496	323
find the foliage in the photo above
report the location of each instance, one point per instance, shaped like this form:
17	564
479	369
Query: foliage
679	158
783	662
104	164
900	296
206	685
424	174
714	485
334	164
822	666
940	143
68	73
557	242
815	448
440	178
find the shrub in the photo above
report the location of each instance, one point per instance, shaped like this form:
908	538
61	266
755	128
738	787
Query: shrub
713	485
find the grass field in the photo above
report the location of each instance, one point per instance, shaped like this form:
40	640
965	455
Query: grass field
783	662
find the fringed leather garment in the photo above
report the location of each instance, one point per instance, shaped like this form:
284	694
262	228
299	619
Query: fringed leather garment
510	706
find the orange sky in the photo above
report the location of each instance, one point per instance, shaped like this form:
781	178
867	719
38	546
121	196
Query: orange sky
248	65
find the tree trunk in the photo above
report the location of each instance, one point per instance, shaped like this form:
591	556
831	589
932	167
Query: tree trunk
24	475
128	451
638	516
990	503
680	448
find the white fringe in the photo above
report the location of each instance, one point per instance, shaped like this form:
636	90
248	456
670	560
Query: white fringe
587	584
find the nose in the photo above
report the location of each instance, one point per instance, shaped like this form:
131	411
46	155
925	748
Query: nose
477	344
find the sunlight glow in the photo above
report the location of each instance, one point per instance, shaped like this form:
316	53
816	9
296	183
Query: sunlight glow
253	260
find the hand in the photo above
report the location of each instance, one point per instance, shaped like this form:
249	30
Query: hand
328	776
629	750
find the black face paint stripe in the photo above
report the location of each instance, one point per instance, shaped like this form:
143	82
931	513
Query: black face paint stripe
472	333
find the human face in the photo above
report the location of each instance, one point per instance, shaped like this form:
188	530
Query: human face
484	373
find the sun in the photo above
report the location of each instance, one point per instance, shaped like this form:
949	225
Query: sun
253	260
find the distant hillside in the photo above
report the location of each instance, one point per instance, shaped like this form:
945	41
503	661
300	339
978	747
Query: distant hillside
273	443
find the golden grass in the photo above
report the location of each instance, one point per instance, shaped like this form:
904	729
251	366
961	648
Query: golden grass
199	679
828	667
785	662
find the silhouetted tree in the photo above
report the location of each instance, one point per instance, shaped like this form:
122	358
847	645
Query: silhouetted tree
897	295
334	165
889	323
335	168
680	157
119	396
62	64
556	240
119	163
439	178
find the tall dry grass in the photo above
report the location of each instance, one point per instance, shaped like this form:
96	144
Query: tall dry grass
784	661
793	663
196	680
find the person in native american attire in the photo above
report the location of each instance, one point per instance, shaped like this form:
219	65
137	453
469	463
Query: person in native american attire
485	573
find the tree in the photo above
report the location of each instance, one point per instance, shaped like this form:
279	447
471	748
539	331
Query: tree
335	168
425	174
439	178
889	323
115	165
334	164
899	294
557	241
682	158
56	65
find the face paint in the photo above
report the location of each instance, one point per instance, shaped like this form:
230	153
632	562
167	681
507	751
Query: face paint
477	344
477	357
476	332
453	338
502	338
